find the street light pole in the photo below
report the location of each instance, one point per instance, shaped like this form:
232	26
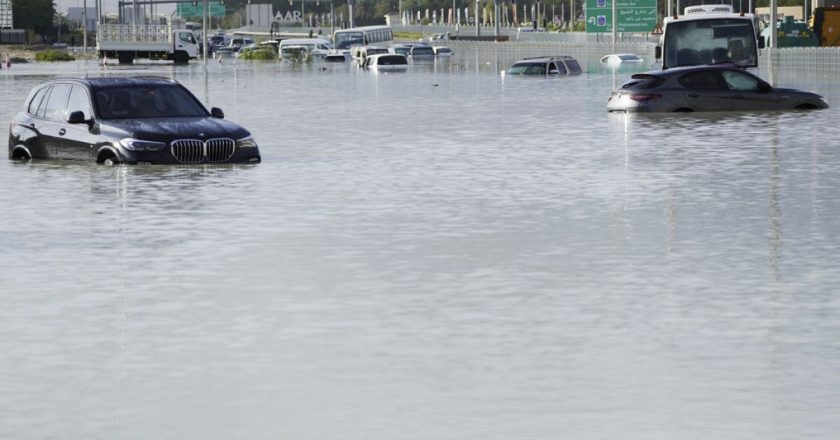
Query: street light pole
84	27
454	16
204	32
477	23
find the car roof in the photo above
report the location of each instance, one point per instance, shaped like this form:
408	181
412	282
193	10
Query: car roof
287	41
386	55
100	82
684	69
545	59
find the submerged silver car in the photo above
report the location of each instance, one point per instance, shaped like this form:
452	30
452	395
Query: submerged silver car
707	88
560	65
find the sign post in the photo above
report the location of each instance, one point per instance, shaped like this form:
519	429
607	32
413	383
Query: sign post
630	16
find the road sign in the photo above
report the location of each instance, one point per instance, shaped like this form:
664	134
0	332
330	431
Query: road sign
657	30
633	16
187	9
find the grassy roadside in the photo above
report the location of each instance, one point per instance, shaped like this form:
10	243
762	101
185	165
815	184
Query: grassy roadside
29	53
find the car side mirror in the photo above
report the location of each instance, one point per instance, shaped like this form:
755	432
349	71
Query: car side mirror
764	87
78	117
216	112
761	42
658	52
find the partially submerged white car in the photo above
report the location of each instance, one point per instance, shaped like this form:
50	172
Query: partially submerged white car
621	58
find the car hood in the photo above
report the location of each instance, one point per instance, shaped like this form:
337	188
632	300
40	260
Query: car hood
169	129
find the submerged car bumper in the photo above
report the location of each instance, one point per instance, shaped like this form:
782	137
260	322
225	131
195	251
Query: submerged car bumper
642	102
623	102
193	156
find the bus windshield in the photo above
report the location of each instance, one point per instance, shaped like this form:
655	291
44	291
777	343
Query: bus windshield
343	40
707	41
363	36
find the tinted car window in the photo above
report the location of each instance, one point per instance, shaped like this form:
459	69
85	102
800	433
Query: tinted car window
391	60
422	50
739	81
36	101
186	37
528	68
557	68
57	102
708	80
573	66
146	102
79	101
643	81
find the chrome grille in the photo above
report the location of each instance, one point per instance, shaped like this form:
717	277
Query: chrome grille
219	150
197	151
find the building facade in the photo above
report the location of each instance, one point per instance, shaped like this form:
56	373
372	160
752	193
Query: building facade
6	14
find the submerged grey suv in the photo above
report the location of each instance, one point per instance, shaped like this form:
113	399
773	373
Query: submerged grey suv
560	65
726	87
140	120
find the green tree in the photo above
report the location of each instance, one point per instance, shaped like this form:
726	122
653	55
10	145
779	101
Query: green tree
34	14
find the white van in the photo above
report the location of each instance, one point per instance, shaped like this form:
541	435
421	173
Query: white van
386	62
360	53
317	47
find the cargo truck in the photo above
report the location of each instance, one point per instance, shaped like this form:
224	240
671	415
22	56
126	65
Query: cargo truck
127	42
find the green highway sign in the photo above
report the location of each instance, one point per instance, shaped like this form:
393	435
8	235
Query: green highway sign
187	9
633	16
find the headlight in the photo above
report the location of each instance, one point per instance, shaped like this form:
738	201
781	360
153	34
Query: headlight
139	145
247	142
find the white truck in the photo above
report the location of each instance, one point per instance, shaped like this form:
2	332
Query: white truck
125	42
707	34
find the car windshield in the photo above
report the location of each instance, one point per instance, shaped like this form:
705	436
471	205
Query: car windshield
422	50
689	43
528	68
343	40
391	60
136	102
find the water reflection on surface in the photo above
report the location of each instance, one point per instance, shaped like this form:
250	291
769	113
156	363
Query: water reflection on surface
441	253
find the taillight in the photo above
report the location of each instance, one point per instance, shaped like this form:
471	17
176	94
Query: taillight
643	97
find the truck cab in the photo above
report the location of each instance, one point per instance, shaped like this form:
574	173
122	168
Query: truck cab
185	41
709	34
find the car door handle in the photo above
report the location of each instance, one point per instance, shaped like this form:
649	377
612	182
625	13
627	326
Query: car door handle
62	131
693	95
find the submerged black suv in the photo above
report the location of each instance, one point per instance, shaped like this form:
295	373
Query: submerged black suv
139	120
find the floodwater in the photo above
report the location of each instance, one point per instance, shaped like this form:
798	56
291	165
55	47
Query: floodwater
444	253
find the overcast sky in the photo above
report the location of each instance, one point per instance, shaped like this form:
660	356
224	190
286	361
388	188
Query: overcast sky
107	5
